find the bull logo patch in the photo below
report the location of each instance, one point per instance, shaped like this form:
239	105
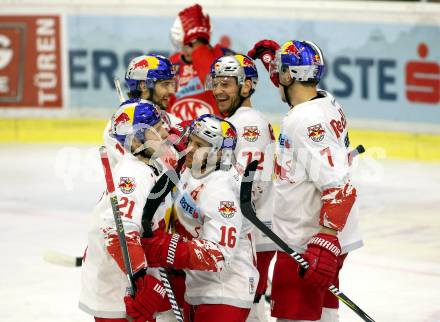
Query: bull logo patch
316	132
127	184
227	209
251	133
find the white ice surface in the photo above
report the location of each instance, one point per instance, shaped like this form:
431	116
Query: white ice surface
47	192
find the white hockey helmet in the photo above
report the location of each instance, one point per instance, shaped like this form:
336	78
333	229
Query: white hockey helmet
219	133
240	66
176	34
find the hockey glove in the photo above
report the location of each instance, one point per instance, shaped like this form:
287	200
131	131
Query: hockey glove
265	50
158	247
322	255
179	135
148	300
166	250
195	24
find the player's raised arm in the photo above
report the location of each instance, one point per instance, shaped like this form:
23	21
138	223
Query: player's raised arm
265	50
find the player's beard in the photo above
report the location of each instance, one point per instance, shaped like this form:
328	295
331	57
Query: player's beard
162	102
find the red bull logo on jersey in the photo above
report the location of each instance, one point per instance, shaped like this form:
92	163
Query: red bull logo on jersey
251	133
227	209
339	125
127	184
316	132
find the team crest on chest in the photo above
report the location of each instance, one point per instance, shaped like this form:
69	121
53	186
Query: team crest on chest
127	184
227	209
251	133
316	132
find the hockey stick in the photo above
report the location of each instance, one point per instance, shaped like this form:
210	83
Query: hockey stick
359	150
57	258
248	211
118	221
157	194
119	90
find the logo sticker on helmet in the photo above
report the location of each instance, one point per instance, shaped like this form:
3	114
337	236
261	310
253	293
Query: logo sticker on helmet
123	120
141	64
292	49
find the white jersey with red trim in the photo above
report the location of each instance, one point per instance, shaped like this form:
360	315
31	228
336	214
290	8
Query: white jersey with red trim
103	283
312	155
256	141
209	209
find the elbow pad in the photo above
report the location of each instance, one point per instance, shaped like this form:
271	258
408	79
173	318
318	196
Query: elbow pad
336	206
134	247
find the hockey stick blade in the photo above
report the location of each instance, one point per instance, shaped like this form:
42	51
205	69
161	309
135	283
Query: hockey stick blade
248	211
60	259
355	152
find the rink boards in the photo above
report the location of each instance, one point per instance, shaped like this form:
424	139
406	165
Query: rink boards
379	144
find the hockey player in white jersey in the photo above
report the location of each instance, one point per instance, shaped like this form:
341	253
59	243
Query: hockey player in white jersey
139	128
233	79
314	209
219	255
148	77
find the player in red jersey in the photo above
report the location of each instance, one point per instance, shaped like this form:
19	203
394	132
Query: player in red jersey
190	34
